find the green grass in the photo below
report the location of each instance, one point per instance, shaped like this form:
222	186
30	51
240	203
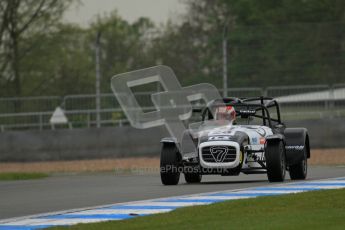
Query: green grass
311	210
21	176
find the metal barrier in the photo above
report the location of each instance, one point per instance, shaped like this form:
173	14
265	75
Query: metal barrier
297	102
29	104
246	92
278	91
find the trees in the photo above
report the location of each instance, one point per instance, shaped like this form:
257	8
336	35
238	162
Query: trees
124	46
21	19
270	42
193	47
54	58
61	64
287	42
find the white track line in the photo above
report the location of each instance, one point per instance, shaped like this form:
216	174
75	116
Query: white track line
122	211
130	209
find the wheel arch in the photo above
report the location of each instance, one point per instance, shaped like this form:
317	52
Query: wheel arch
297	141
274	138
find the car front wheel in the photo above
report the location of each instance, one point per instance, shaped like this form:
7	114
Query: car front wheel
169	165
275	161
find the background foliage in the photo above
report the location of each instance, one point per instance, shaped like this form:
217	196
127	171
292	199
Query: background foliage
271	42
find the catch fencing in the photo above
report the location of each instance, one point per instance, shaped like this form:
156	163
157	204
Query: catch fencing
297	102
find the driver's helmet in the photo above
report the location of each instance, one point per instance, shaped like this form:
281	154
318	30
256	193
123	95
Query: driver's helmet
225	113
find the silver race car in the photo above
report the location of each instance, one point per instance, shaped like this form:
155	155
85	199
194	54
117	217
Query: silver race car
237	136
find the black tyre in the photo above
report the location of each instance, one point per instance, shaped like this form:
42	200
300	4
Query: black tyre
275	161
170	175
299	171
192	177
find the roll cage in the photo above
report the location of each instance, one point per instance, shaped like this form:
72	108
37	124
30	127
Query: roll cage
247	107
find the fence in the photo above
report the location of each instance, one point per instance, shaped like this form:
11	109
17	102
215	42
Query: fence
297	102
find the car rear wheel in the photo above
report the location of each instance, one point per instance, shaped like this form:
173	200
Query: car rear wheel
275	161
299	171
169	165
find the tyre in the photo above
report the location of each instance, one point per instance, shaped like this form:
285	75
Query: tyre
170	175
192	177
299	171
275	161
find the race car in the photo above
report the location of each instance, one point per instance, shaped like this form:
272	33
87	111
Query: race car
236	136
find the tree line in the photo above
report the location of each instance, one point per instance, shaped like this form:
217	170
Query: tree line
270	42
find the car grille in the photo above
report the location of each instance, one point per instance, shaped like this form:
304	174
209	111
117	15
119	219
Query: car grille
219	154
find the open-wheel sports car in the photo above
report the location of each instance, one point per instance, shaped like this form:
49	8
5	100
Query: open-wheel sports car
236	136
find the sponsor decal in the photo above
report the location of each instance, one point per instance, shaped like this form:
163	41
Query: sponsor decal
250	112
219	138
254	140
295	147
255	157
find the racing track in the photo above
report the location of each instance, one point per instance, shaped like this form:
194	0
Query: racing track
19	198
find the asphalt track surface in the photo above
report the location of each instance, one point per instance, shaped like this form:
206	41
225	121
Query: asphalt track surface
57	193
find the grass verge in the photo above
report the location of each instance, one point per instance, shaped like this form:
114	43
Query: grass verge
311	210
21	176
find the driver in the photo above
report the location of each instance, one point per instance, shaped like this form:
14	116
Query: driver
225	113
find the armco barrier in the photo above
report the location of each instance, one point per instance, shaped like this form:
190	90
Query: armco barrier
126	141
64	144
